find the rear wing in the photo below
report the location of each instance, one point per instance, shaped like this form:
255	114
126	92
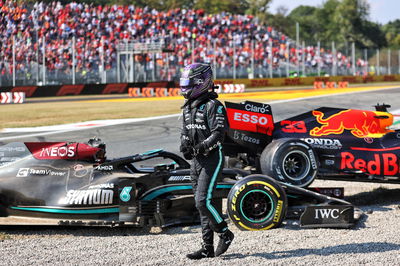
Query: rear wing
250	126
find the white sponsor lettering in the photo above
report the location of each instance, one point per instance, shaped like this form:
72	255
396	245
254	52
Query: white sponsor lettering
9	159
312	159
326	213
23	172
11	149
254	119
332	144
104	168
179	178
106	185
196	126
88	197
58	152
249	107
244	137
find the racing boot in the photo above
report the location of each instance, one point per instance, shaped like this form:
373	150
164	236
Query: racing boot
225	240
207	251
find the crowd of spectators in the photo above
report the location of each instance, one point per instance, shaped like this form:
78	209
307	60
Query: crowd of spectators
97	30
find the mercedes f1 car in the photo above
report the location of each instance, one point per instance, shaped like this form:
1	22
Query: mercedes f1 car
75	184
327	143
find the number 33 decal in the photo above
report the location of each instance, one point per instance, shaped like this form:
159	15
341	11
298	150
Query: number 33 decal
293	126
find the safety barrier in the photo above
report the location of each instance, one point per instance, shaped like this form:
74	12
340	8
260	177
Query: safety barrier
153	92
169	88
230	88
12	97
330	84
168	92
307	81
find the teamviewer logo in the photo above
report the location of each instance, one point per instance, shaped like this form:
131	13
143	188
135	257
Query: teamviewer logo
23	172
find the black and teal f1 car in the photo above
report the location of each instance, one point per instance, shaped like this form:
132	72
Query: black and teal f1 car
74	184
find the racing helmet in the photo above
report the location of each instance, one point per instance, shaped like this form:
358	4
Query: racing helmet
196	79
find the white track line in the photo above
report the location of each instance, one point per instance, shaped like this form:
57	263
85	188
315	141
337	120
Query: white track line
76	127
116	122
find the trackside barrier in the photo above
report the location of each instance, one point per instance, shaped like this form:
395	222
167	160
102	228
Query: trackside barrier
319	85
343	84
230	88
153	92
12	97
330	84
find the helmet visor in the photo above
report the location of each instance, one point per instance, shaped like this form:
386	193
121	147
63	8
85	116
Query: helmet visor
184	82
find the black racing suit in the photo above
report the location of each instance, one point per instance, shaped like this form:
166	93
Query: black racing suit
204	125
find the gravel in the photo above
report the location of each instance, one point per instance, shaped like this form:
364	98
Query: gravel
374	240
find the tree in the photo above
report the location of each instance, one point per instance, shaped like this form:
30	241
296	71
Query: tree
392	33
231	6
281	22
305	16
259	9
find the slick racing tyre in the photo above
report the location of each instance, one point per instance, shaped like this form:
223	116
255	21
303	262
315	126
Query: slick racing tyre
290	161
257	202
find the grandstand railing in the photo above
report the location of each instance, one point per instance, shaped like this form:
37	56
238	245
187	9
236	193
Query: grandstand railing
155	61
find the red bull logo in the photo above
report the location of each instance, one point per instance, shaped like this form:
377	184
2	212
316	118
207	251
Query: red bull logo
360	123
381	164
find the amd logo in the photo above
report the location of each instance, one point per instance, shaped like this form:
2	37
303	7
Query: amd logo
326	213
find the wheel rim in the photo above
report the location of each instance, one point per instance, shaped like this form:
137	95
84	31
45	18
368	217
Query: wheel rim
257	206
296	165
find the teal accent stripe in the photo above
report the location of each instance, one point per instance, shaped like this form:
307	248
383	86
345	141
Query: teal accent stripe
161	191
211	208
151	152
69	211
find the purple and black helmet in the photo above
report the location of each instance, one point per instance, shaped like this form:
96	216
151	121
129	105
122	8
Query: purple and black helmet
196	79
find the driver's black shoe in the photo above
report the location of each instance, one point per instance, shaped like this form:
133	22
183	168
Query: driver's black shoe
207	251
225	240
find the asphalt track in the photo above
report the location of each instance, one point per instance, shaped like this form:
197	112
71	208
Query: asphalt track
131	138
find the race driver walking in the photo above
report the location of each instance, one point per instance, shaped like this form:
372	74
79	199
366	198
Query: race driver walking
204	125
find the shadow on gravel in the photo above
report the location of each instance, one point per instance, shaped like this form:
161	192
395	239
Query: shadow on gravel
356	248
377	196
43	231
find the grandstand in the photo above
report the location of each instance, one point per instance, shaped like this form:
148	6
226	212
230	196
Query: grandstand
78	43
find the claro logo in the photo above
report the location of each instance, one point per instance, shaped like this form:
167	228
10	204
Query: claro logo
382	164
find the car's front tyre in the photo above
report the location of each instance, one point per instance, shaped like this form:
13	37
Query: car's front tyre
257	202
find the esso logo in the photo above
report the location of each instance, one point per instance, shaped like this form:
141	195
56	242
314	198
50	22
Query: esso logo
247	118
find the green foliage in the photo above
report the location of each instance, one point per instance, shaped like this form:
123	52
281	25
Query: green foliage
392	33
339	21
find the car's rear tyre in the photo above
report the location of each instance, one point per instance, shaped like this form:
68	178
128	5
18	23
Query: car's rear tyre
257	202
290	161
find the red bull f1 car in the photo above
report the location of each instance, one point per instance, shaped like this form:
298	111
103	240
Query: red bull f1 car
75	184
327	143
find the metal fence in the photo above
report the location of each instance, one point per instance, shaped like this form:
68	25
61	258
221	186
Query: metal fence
50	62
